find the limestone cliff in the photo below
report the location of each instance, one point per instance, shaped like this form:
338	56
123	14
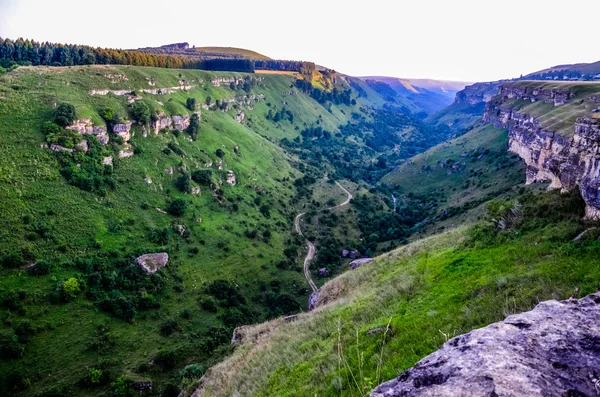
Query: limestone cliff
567	162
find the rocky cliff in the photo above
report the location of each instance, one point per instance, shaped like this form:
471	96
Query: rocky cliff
567	162
553	350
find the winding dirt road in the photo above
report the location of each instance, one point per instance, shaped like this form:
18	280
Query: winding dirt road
311	247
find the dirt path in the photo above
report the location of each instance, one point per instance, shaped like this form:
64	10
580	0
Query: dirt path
311	247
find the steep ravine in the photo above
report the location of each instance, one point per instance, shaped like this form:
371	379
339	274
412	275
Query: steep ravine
567	162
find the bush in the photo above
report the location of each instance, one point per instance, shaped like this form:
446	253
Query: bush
13	260
122	387
64	114
202	177
160	236
71	288
25	332
194	128
177	207
41	268
209	304
166	359
183	183
140	112
193	371
107	113
168	327
190	103
220	153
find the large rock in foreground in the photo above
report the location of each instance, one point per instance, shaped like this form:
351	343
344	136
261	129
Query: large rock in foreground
152	263
553	350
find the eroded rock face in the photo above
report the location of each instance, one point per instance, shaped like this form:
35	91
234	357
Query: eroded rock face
567	162
87	127
553	350
181	122
123	130
152	263
161	122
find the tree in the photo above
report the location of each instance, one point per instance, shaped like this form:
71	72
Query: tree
208	100
202	177
183	183
140	112
177	207
107	113
220	153
64	114
191	104
71	288
194	126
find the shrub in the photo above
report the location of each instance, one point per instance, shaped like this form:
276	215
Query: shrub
220	153
168	327
71	288
194	128
122	387
41	268
166	359
64	114
25	332
177	207
107	113
140	112
13	260
160	236
183	183
209	304
190	103
202	177
193	371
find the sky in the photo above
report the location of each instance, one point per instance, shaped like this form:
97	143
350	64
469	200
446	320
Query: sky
461	40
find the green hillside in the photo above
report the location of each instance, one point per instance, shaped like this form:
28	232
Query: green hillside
388	314
231	50
54	231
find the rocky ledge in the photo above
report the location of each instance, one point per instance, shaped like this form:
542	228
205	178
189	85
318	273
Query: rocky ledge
566	162
553	350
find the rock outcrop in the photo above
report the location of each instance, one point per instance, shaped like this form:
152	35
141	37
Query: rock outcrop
87	127
231	178
566	162
553	350
152	263
355	264
123	130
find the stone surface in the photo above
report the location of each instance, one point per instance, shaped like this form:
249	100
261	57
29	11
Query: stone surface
355	264
87	127
107	160
231	178
324	272
152	263
553	350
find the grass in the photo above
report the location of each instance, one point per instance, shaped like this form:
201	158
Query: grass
81	224
425	292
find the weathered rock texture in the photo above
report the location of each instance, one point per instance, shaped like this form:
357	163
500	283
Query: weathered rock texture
152	263
567	162
355	264
87	127
553	350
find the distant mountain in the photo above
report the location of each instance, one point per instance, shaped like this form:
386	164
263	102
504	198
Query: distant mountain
576	71
428	96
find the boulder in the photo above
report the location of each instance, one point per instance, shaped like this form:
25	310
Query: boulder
355	264
107	160
181	122
195	190
324	272
152	263
169	171
231	178
123	130
345	253
142	386
552	350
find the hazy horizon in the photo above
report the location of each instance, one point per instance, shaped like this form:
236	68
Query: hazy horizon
456	41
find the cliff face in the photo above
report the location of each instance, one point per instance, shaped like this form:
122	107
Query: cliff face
567	162
552	350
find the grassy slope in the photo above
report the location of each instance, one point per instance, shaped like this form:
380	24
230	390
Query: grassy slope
30	184
559	119
477	180
426	292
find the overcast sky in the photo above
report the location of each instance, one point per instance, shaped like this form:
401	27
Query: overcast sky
469	40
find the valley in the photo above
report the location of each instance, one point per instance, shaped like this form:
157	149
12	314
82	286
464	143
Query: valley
210	221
